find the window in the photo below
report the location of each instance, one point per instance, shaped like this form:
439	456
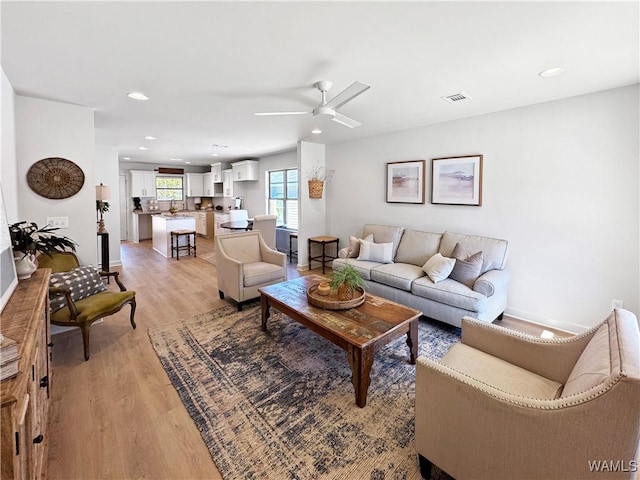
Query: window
283	197
169	188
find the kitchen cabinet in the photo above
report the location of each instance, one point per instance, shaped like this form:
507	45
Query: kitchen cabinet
204	224
143	183
216	172
227	185
220	218
195	184
25	397
246	170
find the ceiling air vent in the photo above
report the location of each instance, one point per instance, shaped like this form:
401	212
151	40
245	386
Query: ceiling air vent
456	97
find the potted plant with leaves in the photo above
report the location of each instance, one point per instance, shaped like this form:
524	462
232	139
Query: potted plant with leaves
346	281
27	240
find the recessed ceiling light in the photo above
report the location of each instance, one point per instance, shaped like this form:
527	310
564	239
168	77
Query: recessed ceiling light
175	159
248	149
126	158
187	162
552	72
137	96
150	137
316	131
142	148
215	154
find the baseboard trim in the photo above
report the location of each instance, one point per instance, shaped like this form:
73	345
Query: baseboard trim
115	263
568	327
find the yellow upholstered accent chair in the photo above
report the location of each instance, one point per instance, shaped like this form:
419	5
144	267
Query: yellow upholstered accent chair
504	405
82	313
245	263
266	225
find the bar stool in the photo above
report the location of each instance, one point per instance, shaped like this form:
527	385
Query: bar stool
324	258
177	247
293	252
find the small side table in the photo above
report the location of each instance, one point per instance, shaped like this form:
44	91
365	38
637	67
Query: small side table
293	252
324	241
104	252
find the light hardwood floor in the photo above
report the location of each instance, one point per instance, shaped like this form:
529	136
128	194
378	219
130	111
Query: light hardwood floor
117	416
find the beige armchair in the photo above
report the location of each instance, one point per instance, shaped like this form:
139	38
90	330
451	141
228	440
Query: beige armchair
266	224
504	405
245	263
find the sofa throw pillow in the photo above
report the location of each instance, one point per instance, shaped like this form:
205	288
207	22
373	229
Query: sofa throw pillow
468	267
354	245
82	281
376	252
438	267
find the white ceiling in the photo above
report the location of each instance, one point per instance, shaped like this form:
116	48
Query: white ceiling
207	66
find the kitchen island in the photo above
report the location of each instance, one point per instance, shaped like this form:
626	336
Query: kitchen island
162	227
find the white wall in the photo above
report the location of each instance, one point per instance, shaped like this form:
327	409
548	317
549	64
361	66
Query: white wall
52	129
254	194
561	182
8	168
107	173
312	211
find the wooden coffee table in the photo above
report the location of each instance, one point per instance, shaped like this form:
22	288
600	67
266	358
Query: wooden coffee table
359	331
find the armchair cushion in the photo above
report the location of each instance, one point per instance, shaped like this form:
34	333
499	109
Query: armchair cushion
259	273
81	281
95	307
593	367
500	374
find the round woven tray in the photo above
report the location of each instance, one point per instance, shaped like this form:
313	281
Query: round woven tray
331	302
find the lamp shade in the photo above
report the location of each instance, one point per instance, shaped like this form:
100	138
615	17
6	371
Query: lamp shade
102	192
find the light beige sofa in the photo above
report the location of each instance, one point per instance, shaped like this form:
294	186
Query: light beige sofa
503	405
404	281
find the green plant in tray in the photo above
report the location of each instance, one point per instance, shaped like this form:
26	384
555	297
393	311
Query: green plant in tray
345	281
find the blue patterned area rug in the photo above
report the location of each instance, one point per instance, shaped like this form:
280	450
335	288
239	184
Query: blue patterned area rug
280	404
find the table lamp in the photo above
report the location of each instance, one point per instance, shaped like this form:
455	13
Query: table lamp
102	193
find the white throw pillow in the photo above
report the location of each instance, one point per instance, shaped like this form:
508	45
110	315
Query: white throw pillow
376	252
354	245
438	267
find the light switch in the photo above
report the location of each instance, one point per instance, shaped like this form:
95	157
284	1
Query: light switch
58	222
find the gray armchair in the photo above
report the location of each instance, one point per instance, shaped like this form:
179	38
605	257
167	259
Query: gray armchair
504	405
245	263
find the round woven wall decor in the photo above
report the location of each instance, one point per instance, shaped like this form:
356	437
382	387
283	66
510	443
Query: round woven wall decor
55	178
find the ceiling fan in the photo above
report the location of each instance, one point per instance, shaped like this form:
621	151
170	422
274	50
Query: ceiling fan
329	108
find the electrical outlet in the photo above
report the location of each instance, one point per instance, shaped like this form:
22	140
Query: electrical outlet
616	304
58	222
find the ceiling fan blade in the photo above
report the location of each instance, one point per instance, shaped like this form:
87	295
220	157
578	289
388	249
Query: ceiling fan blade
346	121
348	94
280	113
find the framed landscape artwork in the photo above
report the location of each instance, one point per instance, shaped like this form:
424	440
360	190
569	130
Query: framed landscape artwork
405	182
457	180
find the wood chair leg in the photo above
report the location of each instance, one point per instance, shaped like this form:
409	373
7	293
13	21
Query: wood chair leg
86	329
239	306
425	467
221	293
133	311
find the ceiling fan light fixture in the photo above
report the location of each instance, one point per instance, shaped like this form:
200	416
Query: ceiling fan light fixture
138	96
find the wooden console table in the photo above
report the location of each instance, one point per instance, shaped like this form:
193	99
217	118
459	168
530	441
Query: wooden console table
25	397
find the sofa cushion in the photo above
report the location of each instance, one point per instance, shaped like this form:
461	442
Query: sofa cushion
384	234
499	373
354	245
417	247
438	267
362	266
594	365
82	281
467	268
398	275
376	252
494	251
258	273
450	292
